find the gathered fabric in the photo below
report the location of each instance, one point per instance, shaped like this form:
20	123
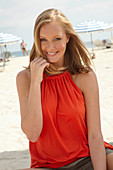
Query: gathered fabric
64	137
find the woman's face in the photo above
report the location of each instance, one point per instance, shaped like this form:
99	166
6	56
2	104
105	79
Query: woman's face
53	41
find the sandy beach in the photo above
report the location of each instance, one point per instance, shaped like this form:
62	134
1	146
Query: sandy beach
14	152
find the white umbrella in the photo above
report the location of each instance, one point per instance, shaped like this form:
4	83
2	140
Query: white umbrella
6	39
93	26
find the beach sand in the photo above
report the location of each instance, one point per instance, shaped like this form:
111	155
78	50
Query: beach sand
14	152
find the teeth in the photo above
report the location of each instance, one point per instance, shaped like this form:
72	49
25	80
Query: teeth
51	53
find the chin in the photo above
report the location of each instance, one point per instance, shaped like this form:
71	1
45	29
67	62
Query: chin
52	61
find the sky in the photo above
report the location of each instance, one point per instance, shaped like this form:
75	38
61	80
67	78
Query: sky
18	16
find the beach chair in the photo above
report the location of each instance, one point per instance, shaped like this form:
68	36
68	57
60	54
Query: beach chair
98	43
102	44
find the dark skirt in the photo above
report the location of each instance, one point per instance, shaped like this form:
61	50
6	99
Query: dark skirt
83	163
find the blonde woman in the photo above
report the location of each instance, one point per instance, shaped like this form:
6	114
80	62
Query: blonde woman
59	100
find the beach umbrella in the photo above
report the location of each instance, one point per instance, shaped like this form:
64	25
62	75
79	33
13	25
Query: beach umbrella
6	39
92	26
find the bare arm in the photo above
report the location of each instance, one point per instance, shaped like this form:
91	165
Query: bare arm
89	88
29	92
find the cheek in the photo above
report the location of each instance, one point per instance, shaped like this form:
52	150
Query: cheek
61	46
42	46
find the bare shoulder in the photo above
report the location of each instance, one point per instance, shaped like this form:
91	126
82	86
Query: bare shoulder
23	79
23	75
86	81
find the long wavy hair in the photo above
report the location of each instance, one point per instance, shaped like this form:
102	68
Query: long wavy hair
76	58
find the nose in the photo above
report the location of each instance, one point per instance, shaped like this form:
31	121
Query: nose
50	45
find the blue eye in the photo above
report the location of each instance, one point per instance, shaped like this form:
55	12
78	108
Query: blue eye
42	39
57	39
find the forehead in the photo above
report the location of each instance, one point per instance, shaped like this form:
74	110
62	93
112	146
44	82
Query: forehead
52	28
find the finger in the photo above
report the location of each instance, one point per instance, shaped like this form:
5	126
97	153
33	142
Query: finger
37	59
45	65
42	61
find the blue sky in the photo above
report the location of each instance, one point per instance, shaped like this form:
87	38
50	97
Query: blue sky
18	16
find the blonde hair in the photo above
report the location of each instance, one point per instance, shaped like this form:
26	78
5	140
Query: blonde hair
76	58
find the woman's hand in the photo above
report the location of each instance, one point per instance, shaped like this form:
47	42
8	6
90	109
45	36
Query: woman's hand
37	68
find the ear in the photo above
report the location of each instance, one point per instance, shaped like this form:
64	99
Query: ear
68	37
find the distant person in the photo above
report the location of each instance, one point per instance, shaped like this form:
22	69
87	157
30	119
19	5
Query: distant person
106	44
23	47
5	47
7	54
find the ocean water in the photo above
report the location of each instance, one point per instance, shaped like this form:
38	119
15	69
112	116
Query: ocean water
16	53
20	54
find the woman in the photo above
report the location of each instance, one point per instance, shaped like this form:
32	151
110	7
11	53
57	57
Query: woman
59	100
23	47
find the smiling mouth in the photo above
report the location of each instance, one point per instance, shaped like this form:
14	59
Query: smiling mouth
52	54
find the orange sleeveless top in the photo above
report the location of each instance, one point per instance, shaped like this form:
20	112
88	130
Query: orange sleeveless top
63	139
